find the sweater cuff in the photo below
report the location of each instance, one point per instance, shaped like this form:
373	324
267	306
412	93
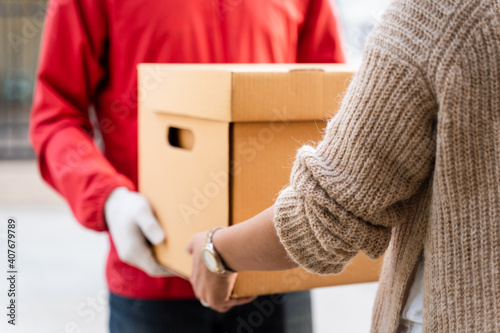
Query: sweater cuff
299	240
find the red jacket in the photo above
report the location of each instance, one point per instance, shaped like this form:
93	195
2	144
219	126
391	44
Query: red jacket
88	58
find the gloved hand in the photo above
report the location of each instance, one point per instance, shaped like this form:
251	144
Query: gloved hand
130	222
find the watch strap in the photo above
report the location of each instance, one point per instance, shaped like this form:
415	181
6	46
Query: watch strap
209	244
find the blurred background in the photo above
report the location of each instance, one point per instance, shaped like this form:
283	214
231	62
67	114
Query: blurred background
61	283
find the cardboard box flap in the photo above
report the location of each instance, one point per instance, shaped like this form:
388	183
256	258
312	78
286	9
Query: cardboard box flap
197	94
288	96
244	93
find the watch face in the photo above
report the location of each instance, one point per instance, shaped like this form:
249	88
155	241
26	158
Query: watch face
209	260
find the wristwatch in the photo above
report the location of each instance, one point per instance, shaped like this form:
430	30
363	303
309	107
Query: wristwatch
210	256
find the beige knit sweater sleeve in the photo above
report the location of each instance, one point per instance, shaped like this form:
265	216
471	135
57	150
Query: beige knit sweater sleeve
346	194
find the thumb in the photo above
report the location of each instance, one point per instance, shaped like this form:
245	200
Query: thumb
240	301
196	240
190	247
148	264
150	227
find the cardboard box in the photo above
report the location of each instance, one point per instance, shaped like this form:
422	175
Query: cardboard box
216	145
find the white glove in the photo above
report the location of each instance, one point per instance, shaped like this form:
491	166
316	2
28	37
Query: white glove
130	222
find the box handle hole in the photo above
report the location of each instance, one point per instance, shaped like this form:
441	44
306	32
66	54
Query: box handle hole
180	138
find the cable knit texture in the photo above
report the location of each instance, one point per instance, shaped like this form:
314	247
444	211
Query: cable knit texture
411	163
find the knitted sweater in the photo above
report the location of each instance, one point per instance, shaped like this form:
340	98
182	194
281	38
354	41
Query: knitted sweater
411	163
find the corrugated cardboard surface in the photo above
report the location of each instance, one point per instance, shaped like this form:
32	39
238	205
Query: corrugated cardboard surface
263	155
360	269
240	130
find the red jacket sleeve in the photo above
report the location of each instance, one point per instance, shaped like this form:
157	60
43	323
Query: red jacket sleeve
70	71
320	39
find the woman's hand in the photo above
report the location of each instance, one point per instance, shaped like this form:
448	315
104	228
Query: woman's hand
251	245
212	289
